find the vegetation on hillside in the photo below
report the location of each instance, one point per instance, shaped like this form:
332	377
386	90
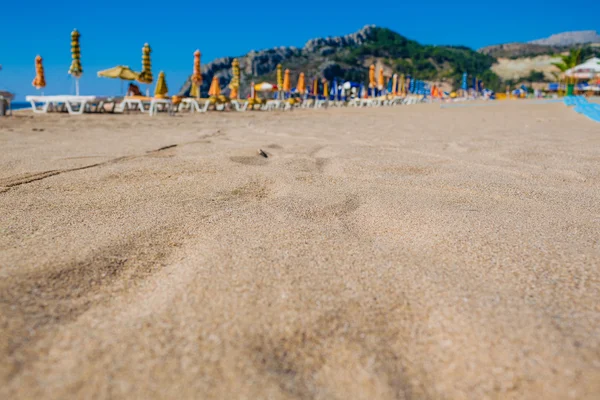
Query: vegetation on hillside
405	56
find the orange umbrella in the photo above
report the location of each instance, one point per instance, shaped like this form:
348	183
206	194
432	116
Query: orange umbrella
372	83
196	76
286	81
381	83
316	87
301	87
215	89
40	81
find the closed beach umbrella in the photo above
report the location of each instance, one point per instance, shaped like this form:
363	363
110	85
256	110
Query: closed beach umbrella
235	80
279	76
402	85
315	87
325	88
395	84
196	76
334	89
381	80
287	86
40	81
75	70
146	74
161	90
372	83
215	89
301	87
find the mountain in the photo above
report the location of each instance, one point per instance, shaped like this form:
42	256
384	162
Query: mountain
349	57
569	39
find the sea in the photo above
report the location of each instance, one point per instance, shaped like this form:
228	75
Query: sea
20	105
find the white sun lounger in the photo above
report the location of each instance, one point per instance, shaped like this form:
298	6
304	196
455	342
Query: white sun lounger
72	104
157	105
193	105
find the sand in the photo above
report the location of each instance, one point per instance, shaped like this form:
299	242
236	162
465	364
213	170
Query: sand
394	253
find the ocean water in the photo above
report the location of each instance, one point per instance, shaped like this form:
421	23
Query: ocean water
20	105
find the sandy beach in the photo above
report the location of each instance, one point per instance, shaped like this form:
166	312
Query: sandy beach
392	253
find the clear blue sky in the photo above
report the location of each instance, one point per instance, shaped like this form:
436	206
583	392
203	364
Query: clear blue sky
115	35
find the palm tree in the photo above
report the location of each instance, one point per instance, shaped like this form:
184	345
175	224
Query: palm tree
569	61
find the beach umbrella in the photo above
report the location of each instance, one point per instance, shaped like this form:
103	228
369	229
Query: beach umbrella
215	89
395	84
39	82
279	78
146	74
390	85
315	87
372	82
463	85
287	87
196	76
301	86
161	90
75	70
325	88
334	89
119	72
235	80
264	87
381	80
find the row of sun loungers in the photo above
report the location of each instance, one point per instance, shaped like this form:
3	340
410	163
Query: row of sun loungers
152	106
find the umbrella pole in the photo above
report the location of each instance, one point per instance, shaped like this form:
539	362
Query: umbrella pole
76	86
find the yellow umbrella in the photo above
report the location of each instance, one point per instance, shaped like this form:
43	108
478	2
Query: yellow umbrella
40	81
381	82
119	72
279	77
235	80
301	87
215	89
146	74
196	76
325	87
401	86
286	81
75	70
394	84
161	90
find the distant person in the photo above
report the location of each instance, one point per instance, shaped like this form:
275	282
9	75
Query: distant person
134	90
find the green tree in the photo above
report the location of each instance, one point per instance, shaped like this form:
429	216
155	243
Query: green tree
569	61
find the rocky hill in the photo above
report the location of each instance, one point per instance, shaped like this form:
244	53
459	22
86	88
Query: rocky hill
348	58
569	39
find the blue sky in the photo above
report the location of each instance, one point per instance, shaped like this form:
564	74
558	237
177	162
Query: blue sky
115	35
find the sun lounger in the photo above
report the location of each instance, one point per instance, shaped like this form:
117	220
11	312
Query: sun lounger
193	104
71	104
131	103
240	105
157	105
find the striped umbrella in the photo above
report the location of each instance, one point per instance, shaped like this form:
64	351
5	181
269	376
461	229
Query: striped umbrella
40	81
75	70
196	76
215	89
161	90
146	74
279	78
301	87
235	80
287	87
